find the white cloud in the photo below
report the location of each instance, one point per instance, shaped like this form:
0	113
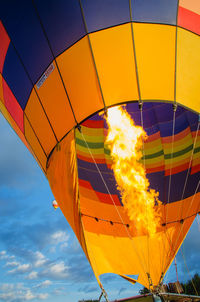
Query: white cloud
59	236
44	284
3	255
42	296
12	264
28	295
32	275
17	292
56	271
6	287
40	259
22	268
7	296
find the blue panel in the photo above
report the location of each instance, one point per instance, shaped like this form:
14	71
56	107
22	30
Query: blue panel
16	78
155	11
62	21
192	120
24	29
105	13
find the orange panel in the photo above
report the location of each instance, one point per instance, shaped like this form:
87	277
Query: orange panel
114	57
80	78
55	102
35	145
192	5
155	53
39	123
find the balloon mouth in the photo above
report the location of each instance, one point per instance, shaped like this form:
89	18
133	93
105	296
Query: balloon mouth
125	141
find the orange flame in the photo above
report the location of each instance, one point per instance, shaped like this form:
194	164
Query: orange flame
125	141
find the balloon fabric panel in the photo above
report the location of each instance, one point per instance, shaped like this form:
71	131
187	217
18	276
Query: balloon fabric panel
101	14
189	20
52	95
114	58
13	124
188	69
40	124
62	22
13	106
79	75
154	11
191	5
155	54
1	89
25	31
3	46
16	77
35	144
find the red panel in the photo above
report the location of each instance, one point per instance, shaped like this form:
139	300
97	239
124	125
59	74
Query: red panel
89	159
106	198
93	124
101	196
189	20
3	45
177	169
13	106
156	169
195	169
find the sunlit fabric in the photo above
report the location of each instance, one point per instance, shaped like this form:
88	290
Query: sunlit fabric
61	63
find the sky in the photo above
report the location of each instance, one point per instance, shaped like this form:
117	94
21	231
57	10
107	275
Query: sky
40	258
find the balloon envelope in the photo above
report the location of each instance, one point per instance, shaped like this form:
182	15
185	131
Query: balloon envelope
61	62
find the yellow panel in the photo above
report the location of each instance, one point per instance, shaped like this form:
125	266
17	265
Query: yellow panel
140	255
33	142
192	5
155	53
39	123
80	78
114	57
56	104
188	70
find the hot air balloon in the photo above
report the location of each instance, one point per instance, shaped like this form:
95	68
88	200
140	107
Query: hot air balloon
55	204
64	62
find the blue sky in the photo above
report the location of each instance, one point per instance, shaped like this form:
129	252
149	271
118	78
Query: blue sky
40	258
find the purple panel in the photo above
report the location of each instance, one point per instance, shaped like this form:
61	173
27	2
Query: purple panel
155	11
62	21
88	171
105	13
16	77
24	29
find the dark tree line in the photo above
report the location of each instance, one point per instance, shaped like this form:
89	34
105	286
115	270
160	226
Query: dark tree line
191	287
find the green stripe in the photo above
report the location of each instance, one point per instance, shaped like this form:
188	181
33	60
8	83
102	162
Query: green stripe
147	156
90	145
196	150
150	156
179	153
